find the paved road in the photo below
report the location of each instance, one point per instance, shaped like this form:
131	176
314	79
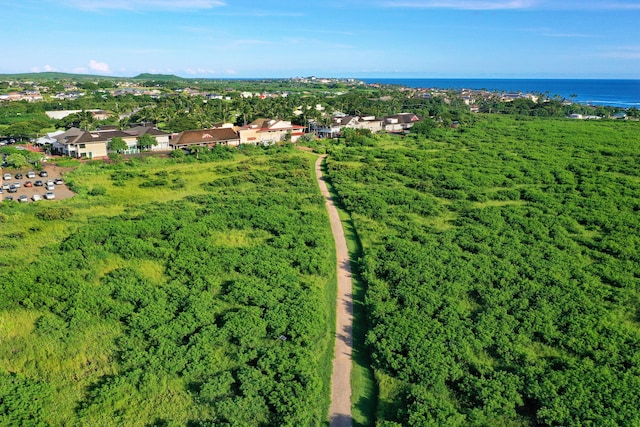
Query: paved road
340	410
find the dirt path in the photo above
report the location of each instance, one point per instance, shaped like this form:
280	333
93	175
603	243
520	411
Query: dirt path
340	410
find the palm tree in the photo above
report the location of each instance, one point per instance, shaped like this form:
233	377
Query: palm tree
197	149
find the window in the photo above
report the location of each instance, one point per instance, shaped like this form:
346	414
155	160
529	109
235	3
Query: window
83	146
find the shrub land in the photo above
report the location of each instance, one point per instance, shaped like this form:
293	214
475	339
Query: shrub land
170	293
500	261
502	264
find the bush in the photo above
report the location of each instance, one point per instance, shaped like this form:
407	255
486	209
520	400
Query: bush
178	183
153	183
177	154
98	191
115	157
53	214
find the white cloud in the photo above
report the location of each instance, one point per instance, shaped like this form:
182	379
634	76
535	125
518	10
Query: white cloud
463	4
145	4
100	67
595	5
199	71
567	35
46	68
622	52
250	42
621	6
514	4
549	32
265	13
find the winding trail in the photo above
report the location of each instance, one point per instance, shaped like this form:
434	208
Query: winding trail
340	410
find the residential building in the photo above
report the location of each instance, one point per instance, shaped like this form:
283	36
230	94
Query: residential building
400	122
92	144
269	131
49	138
161	137
338	122
80	144
369	122
205	138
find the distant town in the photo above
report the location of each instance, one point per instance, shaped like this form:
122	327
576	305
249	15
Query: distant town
78	116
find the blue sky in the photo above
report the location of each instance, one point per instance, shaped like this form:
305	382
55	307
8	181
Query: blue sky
328	38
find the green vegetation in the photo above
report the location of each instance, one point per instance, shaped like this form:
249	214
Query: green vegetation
17	158
176	104
159	77
204	300
146	141
497	265
502	269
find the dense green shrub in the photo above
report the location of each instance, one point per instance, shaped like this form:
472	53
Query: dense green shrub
511	297
175	310
55	213
98	191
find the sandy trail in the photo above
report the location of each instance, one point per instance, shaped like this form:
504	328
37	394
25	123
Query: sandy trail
340	410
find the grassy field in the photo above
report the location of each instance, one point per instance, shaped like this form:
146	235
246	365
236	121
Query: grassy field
170	293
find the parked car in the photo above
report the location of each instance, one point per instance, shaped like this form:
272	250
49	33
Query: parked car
36	197
48	183
5	186
8	198
23	199
38	183
28	184
50	188
17	184
19	176
58	181
7	176
12	189
31	174
49	195
44	173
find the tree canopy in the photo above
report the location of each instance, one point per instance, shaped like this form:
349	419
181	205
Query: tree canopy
117	144
146	141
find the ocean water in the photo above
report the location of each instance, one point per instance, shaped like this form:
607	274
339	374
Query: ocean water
615	93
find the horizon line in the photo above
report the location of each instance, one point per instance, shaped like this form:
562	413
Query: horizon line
346	76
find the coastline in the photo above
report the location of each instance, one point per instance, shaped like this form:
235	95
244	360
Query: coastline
621	93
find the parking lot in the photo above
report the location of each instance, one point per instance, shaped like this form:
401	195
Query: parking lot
61	191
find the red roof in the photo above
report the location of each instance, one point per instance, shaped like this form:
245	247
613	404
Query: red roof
205	136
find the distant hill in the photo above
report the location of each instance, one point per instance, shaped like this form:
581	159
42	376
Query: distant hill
149	76
52	75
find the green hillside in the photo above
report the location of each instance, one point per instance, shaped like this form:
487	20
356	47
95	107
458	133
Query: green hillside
52	75
159	77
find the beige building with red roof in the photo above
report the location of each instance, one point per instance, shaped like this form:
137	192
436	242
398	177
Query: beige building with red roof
269	131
